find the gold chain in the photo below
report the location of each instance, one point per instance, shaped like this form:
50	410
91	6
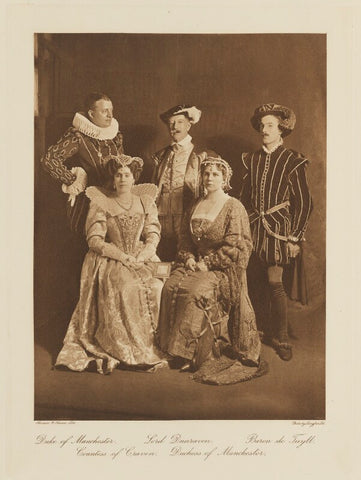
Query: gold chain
122	206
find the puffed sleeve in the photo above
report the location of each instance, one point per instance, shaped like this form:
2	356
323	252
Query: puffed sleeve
96	229
237	242
151	229
301	201
245	190
54	159
186	247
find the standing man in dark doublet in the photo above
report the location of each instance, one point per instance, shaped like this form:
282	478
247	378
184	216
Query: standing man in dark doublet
275	193
76	161
176	171
79	158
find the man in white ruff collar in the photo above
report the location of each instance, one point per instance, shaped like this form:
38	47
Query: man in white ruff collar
176	171
80	156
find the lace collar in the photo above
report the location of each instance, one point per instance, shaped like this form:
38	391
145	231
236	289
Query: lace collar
274	148
89	128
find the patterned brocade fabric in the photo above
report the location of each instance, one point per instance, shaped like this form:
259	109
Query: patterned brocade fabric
204	311
116	317
93	155
224	241
53	161
77	149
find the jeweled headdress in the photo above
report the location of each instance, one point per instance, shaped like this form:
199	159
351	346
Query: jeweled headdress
218	161
118	161
125	160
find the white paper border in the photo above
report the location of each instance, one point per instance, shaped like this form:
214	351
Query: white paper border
332	454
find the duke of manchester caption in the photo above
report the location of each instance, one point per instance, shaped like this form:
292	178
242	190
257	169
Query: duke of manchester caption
175	445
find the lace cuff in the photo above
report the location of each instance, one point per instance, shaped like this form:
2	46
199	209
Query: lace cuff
79	184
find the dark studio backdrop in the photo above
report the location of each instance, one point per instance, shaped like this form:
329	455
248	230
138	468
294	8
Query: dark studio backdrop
226	76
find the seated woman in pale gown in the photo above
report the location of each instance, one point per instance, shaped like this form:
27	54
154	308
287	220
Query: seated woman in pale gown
117	314
207	323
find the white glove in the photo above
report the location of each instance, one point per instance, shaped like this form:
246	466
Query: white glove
78	186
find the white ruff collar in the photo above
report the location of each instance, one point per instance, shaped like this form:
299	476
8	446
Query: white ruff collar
274	148
89	128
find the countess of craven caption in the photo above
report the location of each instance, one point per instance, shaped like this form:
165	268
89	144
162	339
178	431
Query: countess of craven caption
177	445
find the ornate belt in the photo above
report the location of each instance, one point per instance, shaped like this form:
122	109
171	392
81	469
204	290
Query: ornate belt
266	225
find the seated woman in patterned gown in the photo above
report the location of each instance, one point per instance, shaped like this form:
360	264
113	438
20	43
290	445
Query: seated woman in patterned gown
117	313
206	320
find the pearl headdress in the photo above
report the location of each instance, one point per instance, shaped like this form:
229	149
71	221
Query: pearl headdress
218	161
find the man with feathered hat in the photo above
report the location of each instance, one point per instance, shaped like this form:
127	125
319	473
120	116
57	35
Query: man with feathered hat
176	172
276	195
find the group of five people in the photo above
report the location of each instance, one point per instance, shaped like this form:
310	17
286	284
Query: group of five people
201	319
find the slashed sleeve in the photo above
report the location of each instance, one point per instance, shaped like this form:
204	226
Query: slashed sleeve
54	159
301	201
236	247
96	229
151	230
245	190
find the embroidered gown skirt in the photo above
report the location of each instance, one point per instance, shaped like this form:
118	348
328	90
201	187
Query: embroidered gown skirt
190	301
195	317
115	317
117	313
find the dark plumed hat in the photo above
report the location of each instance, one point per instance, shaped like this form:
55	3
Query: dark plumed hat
287	116
191	112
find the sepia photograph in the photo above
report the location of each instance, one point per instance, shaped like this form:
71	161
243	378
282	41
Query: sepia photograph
179	226
180	239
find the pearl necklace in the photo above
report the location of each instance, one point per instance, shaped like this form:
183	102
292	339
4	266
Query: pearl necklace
129	205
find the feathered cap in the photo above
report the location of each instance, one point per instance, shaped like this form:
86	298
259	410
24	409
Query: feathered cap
191	112
219	162
287	116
